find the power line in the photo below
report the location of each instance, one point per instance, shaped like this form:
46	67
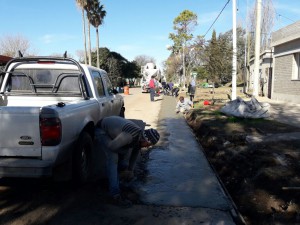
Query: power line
284	17
216	18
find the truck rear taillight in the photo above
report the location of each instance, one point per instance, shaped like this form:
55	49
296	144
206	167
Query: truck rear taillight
50	129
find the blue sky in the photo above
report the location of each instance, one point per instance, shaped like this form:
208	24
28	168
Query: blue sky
131	27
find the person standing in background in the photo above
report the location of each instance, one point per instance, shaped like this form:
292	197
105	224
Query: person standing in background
175	90
192	89
152	88
170	85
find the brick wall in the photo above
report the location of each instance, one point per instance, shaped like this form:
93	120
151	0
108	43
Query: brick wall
284	87
286	42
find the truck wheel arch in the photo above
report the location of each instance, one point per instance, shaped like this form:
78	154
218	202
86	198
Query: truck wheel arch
82	158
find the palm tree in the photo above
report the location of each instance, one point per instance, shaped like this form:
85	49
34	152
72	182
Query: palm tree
88	9
82	4
95	16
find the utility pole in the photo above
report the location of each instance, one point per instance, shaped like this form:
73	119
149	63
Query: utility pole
183	64
234	52
257	48
246	77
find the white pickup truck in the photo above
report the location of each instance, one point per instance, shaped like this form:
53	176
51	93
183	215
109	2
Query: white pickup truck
49	107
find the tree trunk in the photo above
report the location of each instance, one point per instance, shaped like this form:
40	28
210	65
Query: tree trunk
89	43
98	62
84	36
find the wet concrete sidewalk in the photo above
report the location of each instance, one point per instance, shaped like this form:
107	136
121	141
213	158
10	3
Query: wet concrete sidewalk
180	175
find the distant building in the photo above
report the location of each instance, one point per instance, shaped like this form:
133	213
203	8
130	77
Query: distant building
265	73
4	59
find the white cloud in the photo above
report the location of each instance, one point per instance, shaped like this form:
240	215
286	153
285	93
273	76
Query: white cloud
47	39
51	38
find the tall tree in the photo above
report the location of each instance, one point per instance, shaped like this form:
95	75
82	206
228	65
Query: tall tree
219	57
172	67
96	15
116	65
241	42
212	52
141	60
184	24
82	4
115	70
87	9
10	45
131	71
267	23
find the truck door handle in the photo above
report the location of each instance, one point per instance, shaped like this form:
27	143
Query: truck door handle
112	101
103	104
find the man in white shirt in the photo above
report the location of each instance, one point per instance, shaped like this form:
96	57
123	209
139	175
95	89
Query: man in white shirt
183	105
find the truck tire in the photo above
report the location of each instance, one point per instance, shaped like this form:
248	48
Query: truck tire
82	159
122	112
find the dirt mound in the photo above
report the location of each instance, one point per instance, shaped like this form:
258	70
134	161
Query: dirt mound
262	177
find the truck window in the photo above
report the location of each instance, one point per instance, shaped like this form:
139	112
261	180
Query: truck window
98	83
108	84
58	81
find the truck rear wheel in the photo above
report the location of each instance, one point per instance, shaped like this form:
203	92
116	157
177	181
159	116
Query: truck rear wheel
82	159
122	112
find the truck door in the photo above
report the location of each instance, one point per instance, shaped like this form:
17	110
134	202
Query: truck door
104	104
114	100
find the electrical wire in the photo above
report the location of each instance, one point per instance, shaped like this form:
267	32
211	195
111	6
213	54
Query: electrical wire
285	17
216	18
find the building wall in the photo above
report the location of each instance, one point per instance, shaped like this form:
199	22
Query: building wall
285	42
287	48
284	87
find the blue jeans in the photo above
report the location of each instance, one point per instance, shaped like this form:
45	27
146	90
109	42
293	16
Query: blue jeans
112	165
152	94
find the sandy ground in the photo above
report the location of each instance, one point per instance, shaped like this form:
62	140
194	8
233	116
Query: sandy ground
139	106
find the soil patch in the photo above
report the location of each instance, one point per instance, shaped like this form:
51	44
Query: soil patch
262	178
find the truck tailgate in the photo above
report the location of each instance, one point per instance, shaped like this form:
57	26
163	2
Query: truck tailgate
19	132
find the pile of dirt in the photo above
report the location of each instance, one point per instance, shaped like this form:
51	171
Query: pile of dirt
262	178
